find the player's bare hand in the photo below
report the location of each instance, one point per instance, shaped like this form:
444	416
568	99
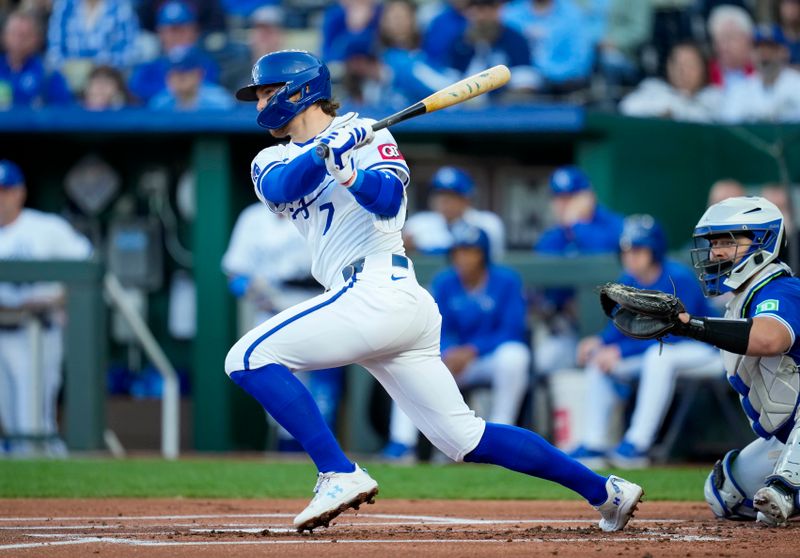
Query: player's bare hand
684	317
586	348
607	357
458	358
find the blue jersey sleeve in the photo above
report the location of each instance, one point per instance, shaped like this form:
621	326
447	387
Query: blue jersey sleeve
780	300
378	191
288	181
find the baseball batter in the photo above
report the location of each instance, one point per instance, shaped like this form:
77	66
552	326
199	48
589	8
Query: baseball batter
350	207
26	234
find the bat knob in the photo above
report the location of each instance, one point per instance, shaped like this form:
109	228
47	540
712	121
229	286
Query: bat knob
322	151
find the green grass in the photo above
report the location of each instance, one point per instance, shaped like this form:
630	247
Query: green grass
230	478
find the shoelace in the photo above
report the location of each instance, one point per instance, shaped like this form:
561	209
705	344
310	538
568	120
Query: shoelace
322	480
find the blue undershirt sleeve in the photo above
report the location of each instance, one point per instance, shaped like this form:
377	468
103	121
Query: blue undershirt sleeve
281	182
378	191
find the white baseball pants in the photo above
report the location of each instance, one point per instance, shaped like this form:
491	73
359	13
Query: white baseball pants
382	319
506	369
656	388
28	402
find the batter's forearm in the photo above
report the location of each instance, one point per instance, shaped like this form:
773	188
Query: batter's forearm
289	182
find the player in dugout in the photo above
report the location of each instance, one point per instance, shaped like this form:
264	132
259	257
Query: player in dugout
350	205
740	247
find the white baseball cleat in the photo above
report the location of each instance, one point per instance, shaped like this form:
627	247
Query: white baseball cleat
623	498
774	506
334	494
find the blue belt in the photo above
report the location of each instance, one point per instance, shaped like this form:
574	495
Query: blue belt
358	265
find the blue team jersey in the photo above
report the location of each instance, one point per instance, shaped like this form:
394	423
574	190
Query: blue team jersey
598	236
442	32
484	318
31	85
509	48
780	299
685	287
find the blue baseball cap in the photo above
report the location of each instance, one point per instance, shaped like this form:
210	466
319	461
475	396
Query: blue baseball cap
452	179
185	59
10	175
569	180
175	12
767	33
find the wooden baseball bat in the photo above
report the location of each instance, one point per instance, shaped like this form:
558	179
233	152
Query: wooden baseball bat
467	88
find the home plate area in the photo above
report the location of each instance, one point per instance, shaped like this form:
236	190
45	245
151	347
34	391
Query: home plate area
389	528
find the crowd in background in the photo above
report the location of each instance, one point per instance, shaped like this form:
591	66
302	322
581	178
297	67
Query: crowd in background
699	60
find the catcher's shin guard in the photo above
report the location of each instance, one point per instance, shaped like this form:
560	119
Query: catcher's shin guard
723	494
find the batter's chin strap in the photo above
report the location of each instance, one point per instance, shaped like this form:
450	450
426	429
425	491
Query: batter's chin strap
732	335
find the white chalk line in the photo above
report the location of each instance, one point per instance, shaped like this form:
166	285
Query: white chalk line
138	542
418	518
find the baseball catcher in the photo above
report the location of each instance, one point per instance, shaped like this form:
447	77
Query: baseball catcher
739	248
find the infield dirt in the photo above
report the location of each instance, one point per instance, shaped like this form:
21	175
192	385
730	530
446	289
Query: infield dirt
233	528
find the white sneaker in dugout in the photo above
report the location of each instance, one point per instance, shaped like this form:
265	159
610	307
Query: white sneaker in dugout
774	506
335	493
623	498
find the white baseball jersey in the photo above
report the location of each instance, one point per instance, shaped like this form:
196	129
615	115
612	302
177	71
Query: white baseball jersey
35	235
430	232
338	231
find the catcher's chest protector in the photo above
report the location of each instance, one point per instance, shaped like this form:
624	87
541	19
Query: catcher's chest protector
771	385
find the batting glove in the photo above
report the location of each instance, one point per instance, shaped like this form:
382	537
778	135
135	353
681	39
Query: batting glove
341	143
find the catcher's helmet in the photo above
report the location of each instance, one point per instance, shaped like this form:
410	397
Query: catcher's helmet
299	72
452	179
469	236
569	180
750	216
643	231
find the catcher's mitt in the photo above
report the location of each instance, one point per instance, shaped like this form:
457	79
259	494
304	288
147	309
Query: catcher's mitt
641	313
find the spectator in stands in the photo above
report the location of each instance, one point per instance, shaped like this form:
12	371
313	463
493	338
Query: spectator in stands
24	81
209	13
787	28
628	29
561	44
443	30
685	95
772	93
483	332
350	26
27	411
245	8
177	30
430	232
731	30
105	90
411	74
583	227
723	189
186	89
779	195
269	269
486	42
673	23
613	360
82	33
264	35
363	80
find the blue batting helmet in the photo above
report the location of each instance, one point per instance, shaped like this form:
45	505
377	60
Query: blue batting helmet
470	236
300	72
569	180
10	175
643	231
452	179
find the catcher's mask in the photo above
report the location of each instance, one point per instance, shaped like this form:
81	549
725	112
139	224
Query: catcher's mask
747	216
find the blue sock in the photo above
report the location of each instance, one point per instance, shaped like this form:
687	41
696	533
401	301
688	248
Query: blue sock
288	401
526	452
